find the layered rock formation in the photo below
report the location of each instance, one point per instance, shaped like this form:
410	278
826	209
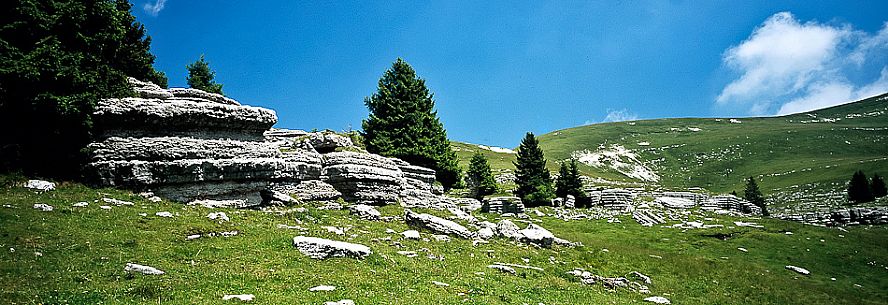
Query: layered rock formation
192	146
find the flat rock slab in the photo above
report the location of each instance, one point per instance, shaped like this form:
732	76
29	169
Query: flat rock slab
436	224
136	268
799	270
319	248
40	185
658	300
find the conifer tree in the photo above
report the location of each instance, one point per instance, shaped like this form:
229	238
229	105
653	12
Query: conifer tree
403	124
57	58
201	77
479	178
568	182
754	195
859	189
533	179
877	186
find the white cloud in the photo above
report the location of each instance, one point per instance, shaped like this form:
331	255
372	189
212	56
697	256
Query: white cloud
787	66
620	116
154	9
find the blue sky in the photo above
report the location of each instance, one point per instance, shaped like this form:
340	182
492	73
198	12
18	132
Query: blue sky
501	68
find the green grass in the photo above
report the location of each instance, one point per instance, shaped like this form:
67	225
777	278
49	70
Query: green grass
84	251
781	152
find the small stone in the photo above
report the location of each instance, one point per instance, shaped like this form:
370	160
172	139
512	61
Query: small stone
658	300
319	248
40	185
505	269
43	207
742	249
410	234
80	204
442	284
322	288
221	216
340	302
164	214
799	270
136	268
192	237
408	253
364	211
105	207
239	297
117	202
443	238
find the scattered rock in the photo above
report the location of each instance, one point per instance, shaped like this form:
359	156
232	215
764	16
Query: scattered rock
485	233
508	229
742	249
319	248
117	202
442	284
436	224
537	235
657	300
502	205
443	238
104	207
322	288
799	270
136	268
364	211
164	214
221	216
639	276
505	269
239	297
40	185
408	253
340	302
43	207
410	234
80	204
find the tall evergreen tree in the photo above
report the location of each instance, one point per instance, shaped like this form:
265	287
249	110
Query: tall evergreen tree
568	181
859	189
877	186
533	179
57	58
479	178
201	77
754	195
403	124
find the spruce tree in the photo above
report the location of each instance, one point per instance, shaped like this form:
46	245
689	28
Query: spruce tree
403	124
754	195
533	179
201	77
569	182
479	178
859	189
57	58
877	186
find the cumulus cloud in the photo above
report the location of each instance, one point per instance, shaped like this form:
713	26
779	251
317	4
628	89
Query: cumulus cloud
786	66
155	8
620	115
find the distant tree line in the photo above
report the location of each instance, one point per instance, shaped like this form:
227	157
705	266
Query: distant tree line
861	189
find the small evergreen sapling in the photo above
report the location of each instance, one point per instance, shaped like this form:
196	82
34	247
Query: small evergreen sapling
479	177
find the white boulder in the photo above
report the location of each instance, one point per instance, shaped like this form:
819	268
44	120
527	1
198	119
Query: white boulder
319	248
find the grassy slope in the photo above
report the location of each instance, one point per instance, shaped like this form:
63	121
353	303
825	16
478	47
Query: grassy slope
84	251
782	151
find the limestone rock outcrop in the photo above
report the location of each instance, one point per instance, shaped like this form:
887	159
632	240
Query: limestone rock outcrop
188	145
502	205
193	146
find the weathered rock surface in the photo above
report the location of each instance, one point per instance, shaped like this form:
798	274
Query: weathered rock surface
40	185
363	178
200	96
326	141
148	89
436	224
308	190
502	205
508	229
174	148
139	117
364	212
537	235
319	248
136	268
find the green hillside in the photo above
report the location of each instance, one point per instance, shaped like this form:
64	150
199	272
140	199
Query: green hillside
794	156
